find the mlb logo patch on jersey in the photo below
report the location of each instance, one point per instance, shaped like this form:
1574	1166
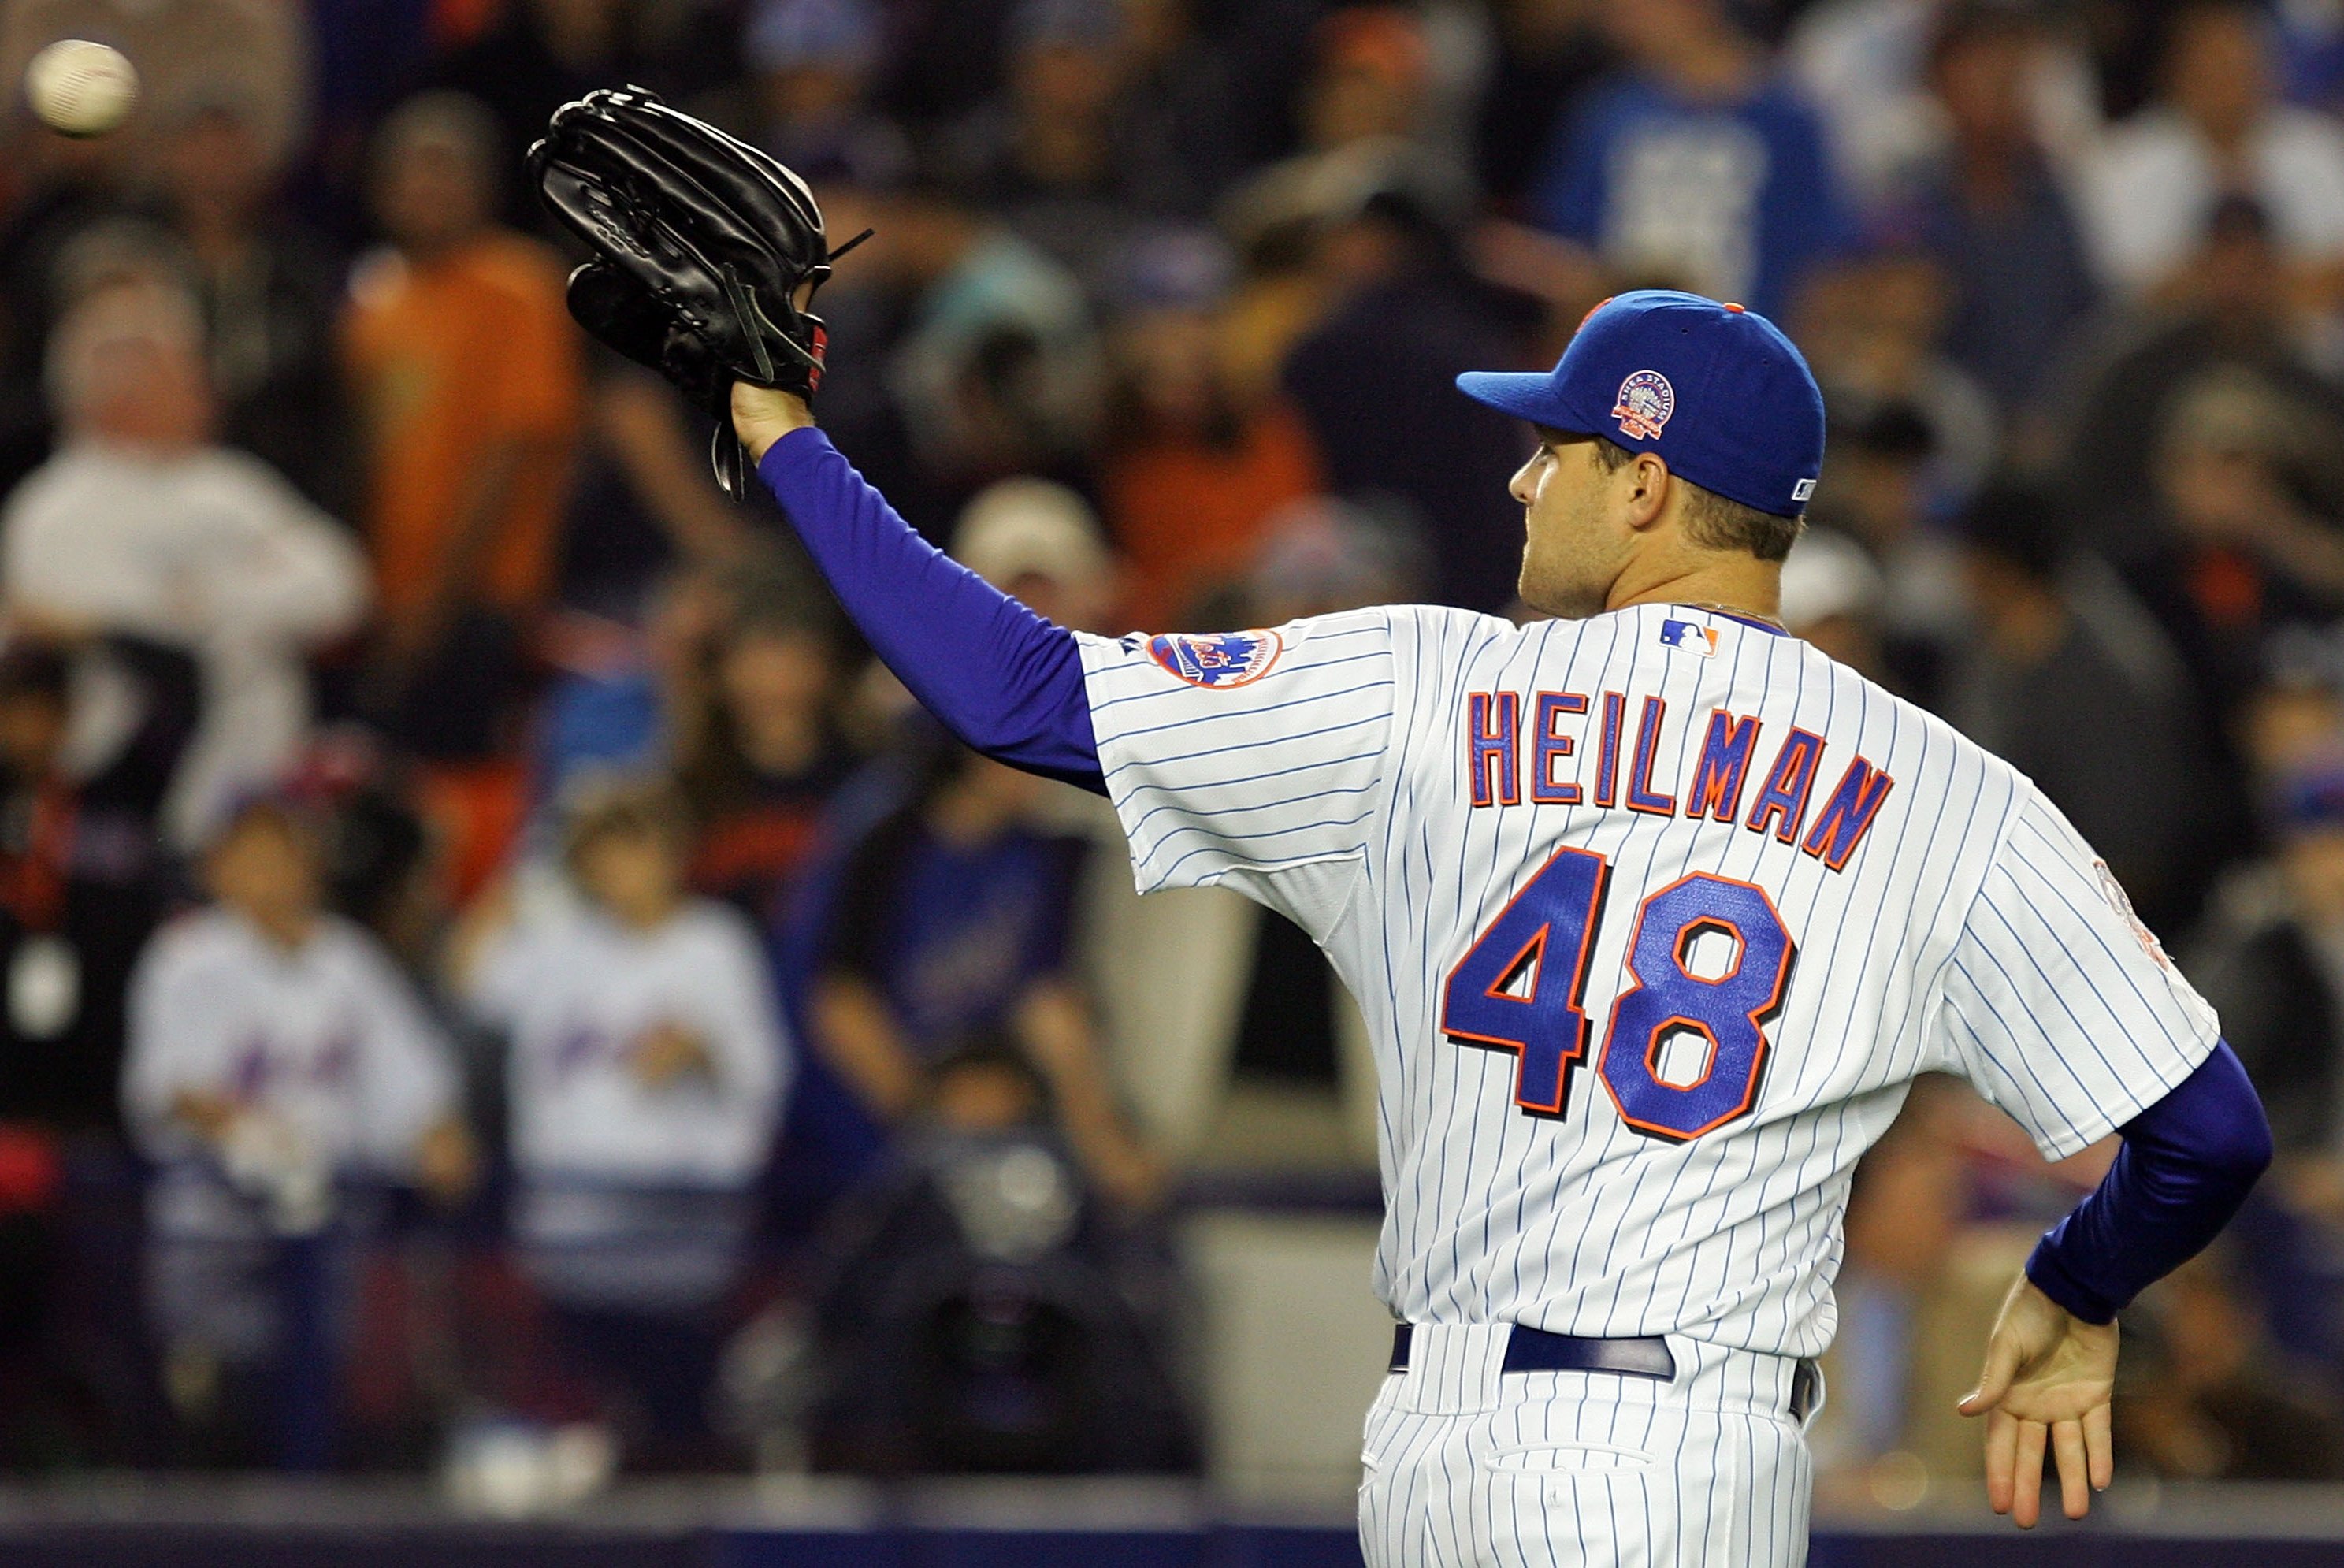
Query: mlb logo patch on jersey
1691	636
1218	659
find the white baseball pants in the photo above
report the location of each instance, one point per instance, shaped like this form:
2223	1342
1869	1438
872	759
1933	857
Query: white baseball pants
1470	1467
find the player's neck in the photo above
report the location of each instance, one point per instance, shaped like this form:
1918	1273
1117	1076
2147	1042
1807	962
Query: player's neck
1742	584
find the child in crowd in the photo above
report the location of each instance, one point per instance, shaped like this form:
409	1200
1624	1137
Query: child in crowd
646	1076
954	919
275	1053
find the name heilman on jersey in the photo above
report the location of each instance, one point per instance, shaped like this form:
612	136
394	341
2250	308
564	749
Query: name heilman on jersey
1496	741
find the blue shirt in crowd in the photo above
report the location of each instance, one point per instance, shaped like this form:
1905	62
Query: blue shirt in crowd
1734	200
953	936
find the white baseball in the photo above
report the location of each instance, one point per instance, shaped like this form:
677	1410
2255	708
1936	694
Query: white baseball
79	89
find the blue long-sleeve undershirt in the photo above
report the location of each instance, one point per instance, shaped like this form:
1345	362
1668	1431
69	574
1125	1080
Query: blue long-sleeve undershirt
1007	681
2187	1164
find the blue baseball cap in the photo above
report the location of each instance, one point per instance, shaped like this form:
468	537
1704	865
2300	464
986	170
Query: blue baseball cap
1725	399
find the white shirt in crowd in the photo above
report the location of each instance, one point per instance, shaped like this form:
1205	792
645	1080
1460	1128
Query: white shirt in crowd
328	1039
1865	65
213	552
578	993
2147	191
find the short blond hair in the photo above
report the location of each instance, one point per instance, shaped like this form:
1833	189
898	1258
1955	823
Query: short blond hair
614	804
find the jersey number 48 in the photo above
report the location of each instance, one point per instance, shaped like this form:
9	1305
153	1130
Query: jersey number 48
1521	985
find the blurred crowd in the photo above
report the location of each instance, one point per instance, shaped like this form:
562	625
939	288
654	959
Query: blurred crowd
489	968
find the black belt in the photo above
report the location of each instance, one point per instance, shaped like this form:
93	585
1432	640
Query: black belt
1536	1350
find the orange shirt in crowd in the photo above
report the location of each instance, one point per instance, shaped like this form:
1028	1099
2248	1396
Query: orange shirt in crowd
447	358
1189	514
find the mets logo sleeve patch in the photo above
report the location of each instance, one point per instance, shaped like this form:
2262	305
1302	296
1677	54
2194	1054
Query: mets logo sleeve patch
1267	750
1217	659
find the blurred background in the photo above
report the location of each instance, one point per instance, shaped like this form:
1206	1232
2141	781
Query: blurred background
505	1010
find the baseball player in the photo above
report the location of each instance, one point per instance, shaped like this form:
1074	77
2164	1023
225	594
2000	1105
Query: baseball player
1654	913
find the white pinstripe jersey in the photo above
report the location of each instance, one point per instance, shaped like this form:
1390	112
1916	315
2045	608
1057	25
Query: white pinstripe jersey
1654	917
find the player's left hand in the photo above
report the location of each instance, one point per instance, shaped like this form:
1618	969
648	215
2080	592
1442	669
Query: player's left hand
764	415
2048	1377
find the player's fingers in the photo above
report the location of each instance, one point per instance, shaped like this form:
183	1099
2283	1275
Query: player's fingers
2075	1486
2026	1475
1993	1377
2001	1458
2100	1446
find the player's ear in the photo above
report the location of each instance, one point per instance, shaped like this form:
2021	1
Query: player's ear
1650	497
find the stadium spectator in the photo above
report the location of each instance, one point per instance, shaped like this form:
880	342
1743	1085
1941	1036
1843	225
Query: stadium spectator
1904	1216
952	922
1548	52
1833	596
2072	682
1695	165
270	288
534	57
276	1052
141	524
1867	65
2252	492
465	367
2262	961
972	1313
1039	543
640	498
55	188
464	359
1404	319
1874	494
83	874
1873	326
1192	82
2118	399
1370	80
2210	1402
1991	212
2217	129
646	1069
811	64
1189	469
998	369
758	746
1056	155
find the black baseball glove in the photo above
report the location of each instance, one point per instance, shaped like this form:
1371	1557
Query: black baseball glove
702	246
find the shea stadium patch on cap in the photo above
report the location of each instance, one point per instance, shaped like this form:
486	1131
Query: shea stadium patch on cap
1645	402
1218	660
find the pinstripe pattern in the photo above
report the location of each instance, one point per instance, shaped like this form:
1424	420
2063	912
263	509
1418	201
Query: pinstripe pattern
1969	931
1464	1466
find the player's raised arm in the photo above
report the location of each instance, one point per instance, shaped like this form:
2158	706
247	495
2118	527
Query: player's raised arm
1007	681
2062	1009
707	255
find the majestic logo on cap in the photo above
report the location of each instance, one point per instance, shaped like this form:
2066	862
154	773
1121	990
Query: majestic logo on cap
1646	401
